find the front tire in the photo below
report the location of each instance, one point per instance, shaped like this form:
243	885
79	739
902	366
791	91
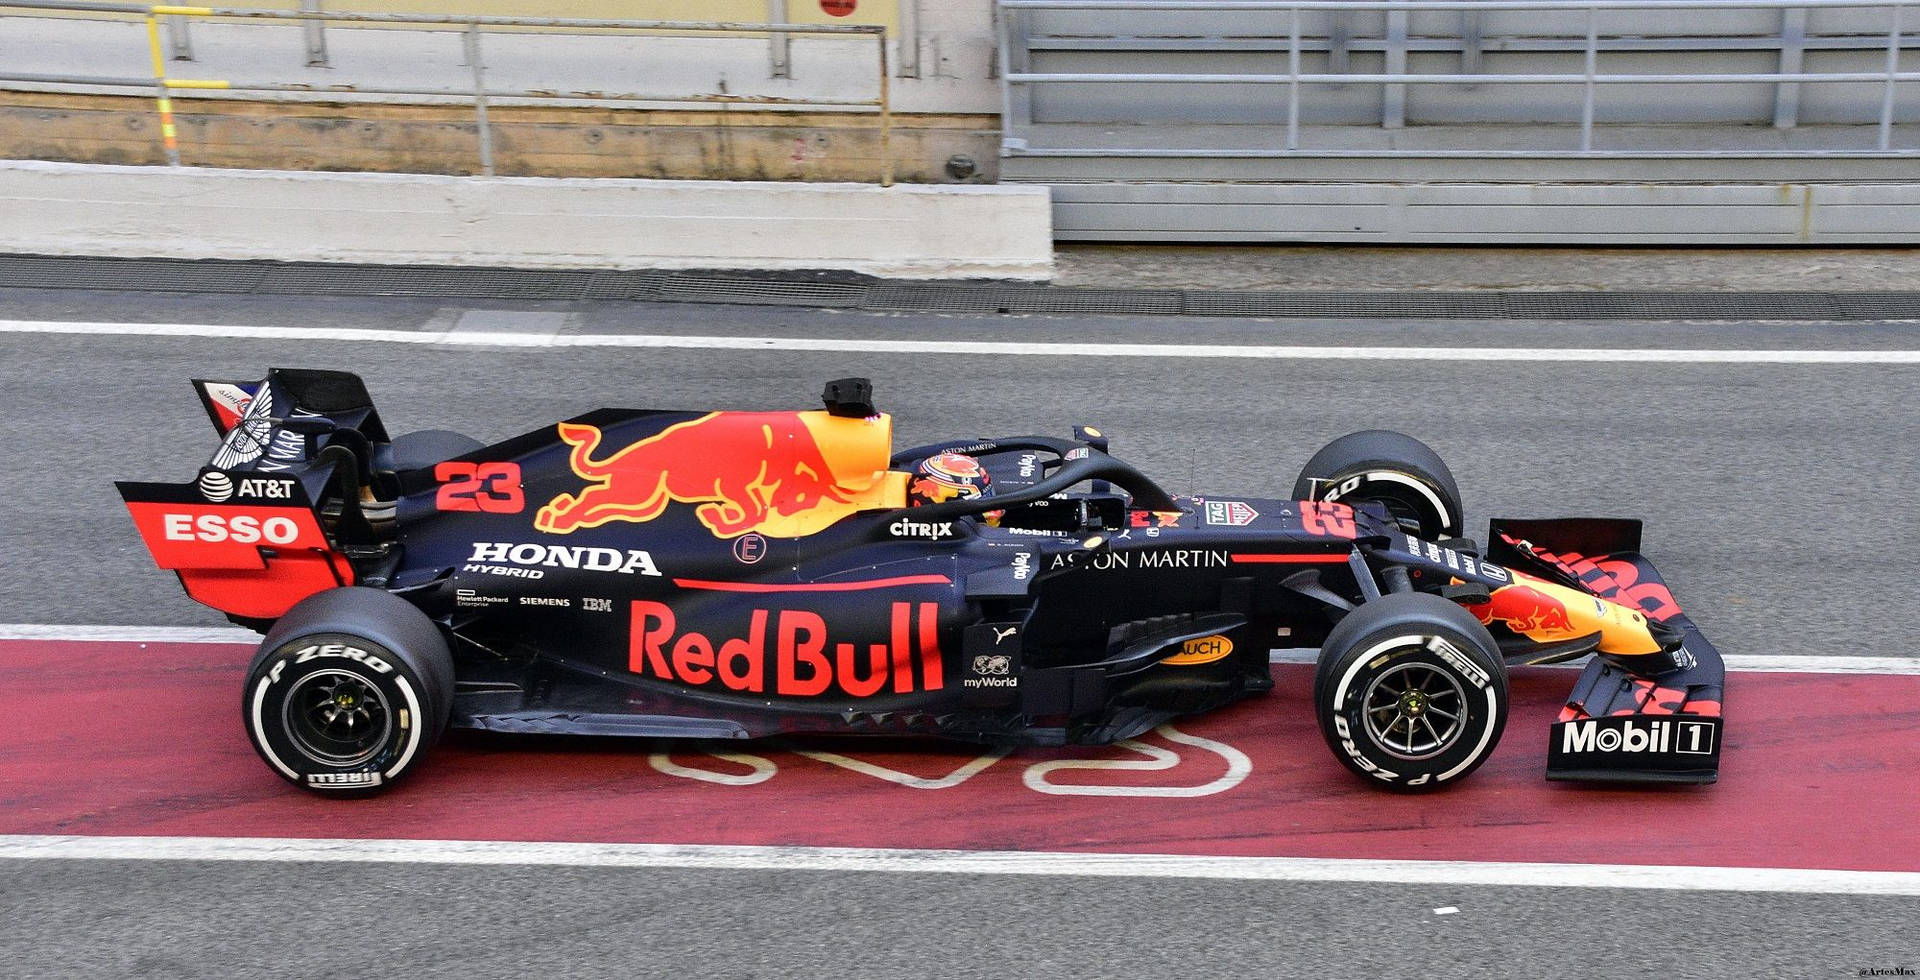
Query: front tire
1411	692
348	692
1391	468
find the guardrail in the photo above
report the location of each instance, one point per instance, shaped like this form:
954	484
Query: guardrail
1395	45
472	28
779	64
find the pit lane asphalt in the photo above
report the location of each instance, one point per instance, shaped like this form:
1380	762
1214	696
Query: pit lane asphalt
146	919
1779	501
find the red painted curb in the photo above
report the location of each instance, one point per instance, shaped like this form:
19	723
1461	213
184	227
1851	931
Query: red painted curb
131	739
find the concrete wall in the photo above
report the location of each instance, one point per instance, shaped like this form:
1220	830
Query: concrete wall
528	141
907	231
946	125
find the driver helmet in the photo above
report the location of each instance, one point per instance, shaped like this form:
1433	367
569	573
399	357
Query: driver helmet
947	476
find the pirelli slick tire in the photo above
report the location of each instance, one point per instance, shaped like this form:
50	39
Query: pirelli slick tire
416	450
1411	692
1389	467
348	692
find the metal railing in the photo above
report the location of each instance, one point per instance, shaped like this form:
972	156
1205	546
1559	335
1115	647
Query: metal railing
1395	44
779	65
472	29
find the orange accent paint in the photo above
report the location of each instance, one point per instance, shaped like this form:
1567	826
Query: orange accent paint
1548	612
1204	650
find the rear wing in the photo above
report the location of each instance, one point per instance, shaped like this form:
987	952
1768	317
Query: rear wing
259	421
265	522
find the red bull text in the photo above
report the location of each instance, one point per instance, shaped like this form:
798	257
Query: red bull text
790	654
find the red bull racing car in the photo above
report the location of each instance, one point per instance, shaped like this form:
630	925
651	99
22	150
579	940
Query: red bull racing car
724	575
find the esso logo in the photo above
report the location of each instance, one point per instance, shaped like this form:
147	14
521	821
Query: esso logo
239	529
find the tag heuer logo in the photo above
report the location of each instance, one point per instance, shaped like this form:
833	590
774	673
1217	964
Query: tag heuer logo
1230	513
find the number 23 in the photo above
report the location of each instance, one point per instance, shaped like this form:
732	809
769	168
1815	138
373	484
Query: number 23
492	488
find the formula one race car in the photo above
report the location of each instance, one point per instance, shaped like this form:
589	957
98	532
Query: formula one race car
746	574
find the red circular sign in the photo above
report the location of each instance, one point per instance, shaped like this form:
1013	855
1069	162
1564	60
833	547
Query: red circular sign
838	8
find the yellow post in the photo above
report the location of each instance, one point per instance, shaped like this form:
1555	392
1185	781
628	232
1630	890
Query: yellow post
886	118
169	137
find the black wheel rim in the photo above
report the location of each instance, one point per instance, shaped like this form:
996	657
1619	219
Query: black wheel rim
335	717
1414	711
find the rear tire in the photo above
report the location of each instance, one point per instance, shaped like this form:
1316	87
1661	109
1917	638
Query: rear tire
1411	692
1392	468
348	692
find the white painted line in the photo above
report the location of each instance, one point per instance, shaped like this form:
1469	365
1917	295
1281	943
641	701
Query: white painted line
1825	665
854	859
763	768
1158	759
515	322
967	771
1903	666
1446	910
128	634
864	345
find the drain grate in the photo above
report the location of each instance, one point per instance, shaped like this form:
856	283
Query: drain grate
1734	306
154	275
1332	304
846	291
1878	306
318	279
960	298
625	285
686	288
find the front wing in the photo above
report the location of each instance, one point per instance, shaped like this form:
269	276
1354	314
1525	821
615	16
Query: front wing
1628	719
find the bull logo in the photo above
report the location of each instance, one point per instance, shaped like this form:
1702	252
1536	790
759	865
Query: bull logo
993	664
746	471
1530	612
